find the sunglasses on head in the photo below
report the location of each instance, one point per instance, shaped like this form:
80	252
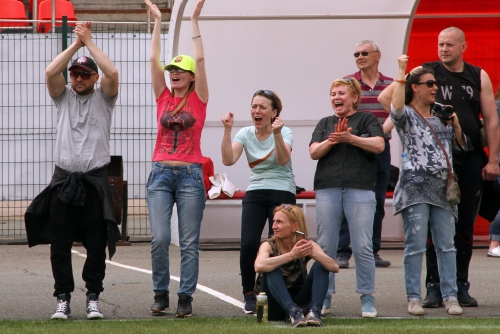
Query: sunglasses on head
176	70
364	53
429	83
85	75
266	93
288	207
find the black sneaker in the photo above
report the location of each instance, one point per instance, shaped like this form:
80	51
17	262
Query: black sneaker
161	304
343	260
63	309
184	308
313	318
433	298
379	262
297	318
463	296
250	305
93	311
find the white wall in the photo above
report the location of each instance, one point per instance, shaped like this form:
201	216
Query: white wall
296	48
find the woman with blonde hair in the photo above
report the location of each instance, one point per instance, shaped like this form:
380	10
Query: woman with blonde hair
345	145
282	267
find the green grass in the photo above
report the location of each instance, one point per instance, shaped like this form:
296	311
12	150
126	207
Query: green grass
249	325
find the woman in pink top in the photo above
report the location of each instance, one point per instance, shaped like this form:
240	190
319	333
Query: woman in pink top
176	176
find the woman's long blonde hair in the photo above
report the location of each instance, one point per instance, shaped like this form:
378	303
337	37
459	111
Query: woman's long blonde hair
294	214
184	99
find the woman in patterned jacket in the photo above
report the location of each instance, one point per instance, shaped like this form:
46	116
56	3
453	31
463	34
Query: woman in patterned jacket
420	195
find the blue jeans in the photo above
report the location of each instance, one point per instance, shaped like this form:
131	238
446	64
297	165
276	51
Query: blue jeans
495	228
470	182
280	299
182	185
358	207
383	174
416	220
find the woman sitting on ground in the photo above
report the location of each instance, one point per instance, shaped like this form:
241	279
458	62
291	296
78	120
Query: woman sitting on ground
281	264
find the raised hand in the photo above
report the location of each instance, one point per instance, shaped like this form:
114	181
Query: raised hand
197	10
154	9
82	31
277	125
403	62
227	120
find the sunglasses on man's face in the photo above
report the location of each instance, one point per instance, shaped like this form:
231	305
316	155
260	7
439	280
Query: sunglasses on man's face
176	70
429	83
364	53
85	75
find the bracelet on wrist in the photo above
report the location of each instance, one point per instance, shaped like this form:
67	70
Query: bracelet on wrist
401	81
195	37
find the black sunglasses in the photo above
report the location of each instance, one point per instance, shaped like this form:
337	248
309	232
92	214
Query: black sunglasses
266	93
364	53
85	75
429	83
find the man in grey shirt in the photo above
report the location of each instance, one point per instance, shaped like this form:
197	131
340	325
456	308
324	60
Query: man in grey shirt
77	203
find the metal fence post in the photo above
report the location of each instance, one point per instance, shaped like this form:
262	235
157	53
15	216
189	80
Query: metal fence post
64	38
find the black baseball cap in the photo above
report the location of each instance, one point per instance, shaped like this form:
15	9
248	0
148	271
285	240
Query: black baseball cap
85	63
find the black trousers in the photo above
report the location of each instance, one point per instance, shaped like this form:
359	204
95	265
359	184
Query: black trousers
470	182
257	208
85	223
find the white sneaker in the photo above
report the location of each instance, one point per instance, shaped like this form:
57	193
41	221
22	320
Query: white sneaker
495	252
415	307
327	303
452	306
93	311
63	309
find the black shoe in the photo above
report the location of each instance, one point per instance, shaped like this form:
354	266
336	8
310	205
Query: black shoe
433	298
250	305
296	317
93	311
161	304
63	309
313	318
343	260
184	308
379	262
464	299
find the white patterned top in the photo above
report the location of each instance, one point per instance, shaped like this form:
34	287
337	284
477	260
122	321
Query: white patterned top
425	180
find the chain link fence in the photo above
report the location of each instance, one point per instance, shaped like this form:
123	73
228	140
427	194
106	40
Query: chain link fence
28	118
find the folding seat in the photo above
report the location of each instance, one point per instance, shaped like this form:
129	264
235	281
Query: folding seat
63	8
13	10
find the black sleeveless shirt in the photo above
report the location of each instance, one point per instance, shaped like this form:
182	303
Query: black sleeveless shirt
461	90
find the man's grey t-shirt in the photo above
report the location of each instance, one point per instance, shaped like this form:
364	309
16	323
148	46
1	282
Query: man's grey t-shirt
346	165
83	130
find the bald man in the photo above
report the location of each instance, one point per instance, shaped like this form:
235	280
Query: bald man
469	90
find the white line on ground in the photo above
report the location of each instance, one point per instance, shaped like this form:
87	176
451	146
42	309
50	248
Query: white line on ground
203	288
